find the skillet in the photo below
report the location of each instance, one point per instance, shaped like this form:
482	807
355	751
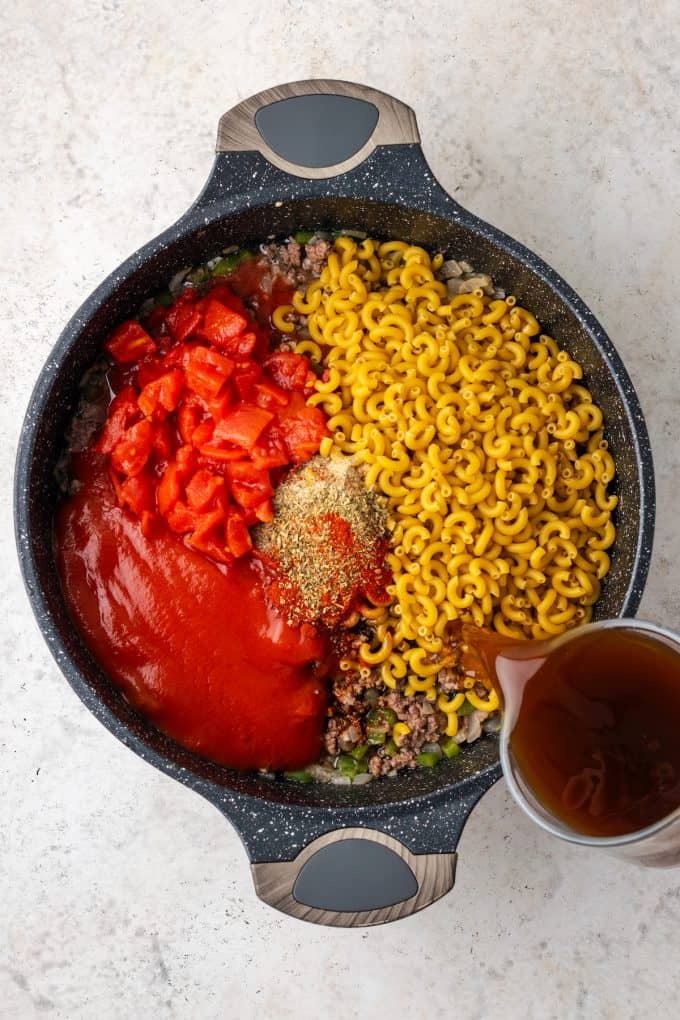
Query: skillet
328	155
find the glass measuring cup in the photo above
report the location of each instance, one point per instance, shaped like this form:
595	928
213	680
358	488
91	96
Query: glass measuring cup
512	664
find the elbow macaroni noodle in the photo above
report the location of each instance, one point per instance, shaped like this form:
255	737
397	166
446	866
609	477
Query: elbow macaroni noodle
477	430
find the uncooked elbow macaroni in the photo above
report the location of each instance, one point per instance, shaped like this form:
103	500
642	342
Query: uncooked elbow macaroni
488	449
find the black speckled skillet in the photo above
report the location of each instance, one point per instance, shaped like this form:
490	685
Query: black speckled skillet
333	155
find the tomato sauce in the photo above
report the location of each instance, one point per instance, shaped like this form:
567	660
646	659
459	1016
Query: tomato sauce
195	647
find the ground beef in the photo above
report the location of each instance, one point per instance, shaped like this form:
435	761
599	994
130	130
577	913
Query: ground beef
422	717
342	734
349	688
450	681
381	764
316	253
296	263
353	696
285	260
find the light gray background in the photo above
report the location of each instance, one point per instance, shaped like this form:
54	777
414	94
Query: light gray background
123	895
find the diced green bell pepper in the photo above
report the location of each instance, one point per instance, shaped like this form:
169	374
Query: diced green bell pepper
229	263
428	759
299	777
451	747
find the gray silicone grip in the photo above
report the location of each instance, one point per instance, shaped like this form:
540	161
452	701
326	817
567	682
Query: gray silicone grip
317	131
354	874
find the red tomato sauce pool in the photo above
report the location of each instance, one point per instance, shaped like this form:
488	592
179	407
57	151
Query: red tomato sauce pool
195	648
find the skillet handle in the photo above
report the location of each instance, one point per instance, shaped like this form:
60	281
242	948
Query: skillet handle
353	877
358	865
318	128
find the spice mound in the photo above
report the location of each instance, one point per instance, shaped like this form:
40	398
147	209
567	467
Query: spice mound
326	543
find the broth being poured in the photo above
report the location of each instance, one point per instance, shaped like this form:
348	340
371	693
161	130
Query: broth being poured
594	725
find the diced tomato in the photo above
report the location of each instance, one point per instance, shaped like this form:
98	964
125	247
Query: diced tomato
264	511
245	376
218	407
242	346
177	355
222	325
269	395
149	371
184	318
243	426
185	458
248	473
163	442
223	454
137	493
248	485
223	293
247	495
171	387
208	535
207	522
296	402
289	370
238	536
210	545
163	394
181	518
189	415
203	433
208	356
268	457
202	487
169	489
270	451
123	412
206	371
302	433
130	455
247	281
197	437
129	343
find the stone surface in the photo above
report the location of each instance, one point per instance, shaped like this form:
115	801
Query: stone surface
123	894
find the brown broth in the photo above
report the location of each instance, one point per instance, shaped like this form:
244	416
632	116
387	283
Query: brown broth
597	734
596	723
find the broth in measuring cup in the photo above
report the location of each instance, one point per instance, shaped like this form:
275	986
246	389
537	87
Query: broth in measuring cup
594	723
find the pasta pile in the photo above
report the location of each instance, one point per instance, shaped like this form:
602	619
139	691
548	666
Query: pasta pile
489	451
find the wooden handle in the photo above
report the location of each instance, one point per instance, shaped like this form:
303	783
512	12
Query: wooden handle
354	877
341	118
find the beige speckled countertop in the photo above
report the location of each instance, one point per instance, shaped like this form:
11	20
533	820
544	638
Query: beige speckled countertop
122	894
